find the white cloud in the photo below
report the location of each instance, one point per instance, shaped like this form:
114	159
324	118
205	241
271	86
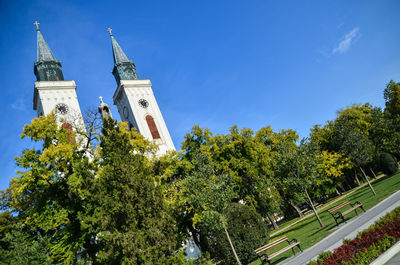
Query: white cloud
19	105
347	40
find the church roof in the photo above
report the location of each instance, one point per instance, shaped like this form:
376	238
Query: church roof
46	68
119	55
43	51
124	69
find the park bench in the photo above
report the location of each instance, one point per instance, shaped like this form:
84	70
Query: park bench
336	215
309	210
264	257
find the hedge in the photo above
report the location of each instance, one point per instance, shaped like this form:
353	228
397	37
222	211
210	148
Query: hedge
368	244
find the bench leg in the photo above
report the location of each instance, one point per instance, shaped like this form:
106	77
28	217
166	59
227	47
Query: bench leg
342	218
294	253
299	248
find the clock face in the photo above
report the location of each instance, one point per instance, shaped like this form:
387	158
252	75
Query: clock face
143	103
62	108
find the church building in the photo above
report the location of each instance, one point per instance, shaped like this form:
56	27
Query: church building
133	97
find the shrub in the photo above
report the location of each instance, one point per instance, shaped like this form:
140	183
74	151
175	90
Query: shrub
369	244
373	251
323	255
346	241
247	231
388	164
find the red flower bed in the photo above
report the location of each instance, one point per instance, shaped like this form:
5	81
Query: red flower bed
348	251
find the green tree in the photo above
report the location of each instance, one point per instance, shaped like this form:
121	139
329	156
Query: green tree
203	197
15	245
247	230
388	164
392	98
351	137
76	203
241	155
47	195
392	117
287	182
131	218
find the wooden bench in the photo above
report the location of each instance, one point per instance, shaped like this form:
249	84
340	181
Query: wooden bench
309	210
336	215
261	251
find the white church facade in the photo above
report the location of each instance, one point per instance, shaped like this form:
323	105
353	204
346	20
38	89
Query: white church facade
133	97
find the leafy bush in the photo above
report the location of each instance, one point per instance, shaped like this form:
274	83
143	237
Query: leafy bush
388	164
346	241
373	251
247	231
323	255
368	245
388	218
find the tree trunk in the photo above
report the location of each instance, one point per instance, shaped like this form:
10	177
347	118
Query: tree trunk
366	177
299	213
272	220
233	249
286	200
313	208
355	176
373	173
195	237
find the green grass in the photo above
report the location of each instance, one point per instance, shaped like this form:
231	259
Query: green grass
308	232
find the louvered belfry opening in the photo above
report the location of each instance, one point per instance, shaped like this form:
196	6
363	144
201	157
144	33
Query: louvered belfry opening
152	126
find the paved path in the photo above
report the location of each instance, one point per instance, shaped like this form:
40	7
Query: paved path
348	230
395	260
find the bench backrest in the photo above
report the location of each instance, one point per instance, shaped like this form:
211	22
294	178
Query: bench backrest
338	207
270	245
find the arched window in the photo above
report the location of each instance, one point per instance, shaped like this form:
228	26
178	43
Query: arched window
68	128
152	127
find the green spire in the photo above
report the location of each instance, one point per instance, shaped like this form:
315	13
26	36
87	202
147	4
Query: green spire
43	51
124	69
46	68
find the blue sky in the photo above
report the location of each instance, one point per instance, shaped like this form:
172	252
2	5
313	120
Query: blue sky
288	64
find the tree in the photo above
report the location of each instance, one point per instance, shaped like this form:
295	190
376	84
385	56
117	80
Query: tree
287	182
241	155
392	98
247	230
203	198
74	205
132	222
392	117
47	195
15	245
388	164
351	131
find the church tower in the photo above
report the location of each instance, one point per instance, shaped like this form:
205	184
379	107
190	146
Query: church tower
136	103
52	92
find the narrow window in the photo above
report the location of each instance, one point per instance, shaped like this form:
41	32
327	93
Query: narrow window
152	127
68	128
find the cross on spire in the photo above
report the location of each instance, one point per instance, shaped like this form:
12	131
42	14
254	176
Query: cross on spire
101	99
37	25
110	30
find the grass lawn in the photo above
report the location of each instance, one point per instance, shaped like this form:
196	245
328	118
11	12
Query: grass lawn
308	232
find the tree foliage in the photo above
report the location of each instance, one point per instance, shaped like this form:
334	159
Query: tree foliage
102	208
248	232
